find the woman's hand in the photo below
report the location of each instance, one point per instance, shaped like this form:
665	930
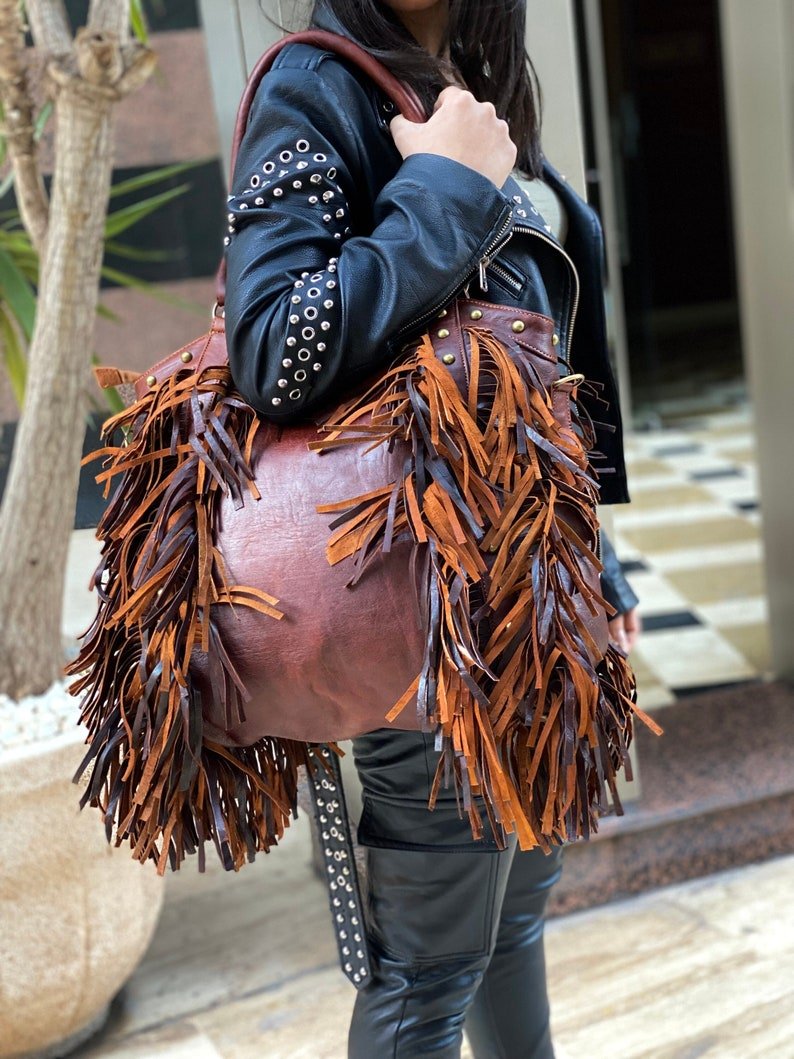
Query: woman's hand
625	628
463	129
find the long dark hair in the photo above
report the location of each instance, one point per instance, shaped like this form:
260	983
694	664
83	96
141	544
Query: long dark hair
486	46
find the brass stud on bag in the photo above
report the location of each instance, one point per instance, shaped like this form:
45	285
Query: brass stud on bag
449	358
518	326
555	339
186	356
443	333
476	314
442	314
151	380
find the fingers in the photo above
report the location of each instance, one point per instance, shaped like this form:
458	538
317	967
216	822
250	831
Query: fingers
617	630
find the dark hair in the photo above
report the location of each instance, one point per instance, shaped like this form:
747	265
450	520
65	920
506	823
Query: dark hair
486	45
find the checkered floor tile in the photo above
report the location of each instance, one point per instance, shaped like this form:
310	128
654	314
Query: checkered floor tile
690	541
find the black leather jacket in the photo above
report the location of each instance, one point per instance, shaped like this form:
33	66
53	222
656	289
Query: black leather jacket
338	251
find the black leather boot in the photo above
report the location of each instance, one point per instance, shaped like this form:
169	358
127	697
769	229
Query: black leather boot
440	908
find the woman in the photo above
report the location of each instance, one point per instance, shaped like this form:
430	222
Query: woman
381	222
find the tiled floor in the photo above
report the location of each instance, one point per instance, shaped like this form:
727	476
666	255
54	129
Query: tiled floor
691	543
244	967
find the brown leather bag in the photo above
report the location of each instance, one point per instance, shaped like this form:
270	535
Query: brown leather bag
426	557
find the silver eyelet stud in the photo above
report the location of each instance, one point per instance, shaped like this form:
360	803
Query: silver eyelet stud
303	354
295	394
320	158
268	167
317	276
300	375
302	146
285	156
331	173
308	333
313	292
255	180
310	312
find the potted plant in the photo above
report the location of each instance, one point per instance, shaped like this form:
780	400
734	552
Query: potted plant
76	914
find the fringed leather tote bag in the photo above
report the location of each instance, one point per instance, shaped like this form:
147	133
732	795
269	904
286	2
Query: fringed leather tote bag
425	557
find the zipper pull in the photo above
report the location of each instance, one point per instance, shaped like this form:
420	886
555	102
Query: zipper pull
484	262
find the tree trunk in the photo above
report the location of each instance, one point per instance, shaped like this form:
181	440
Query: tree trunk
37	513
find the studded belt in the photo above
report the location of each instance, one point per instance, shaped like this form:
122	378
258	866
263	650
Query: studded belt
344	891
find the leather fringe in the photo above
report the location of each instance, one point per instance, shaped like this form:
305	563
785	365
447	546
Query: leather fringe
166	787
499	499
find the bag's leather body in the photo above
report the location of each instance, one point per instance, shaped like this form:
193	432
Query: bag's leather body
305	675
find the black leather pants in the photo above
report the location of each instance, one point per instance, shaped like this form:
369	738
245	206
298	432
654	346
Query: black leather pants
455	926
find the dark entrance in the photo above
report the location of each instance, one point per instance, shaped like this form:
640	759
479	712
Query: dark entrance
667	120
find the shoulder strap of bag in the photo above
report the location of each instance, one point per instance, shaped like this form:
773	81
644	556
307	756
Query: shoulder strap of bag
403	97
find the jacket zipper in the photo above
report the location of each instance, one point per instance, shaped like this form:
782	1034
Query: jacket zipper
504	275
485	261
497	244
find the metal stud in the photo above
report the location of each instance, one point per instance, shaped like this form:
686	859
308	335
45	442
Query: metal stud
278	192
297	184
286	362
292	341
294	319
476	314
315	178
313	199
151	380
555	339
186	356
518	326
226	240
328	303
302	145
321	347
308	333
276	400
443	333
285	156
449	358
283	383
316	366
300	375
320	158
259	201
294	394
303	354
268	167
255	180
325	325
340	213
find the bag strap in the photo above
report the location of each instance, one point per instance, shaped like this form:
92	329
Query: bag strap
403	97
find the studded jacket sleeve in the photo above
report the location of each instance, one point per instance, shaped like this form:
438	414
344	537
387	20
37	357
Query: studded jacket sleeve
320	277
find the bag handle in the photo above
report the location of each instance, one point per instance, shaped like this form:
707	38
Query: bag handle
403	97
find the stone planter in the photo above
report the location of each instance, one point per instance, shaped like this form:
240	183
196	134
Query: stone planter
76	915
